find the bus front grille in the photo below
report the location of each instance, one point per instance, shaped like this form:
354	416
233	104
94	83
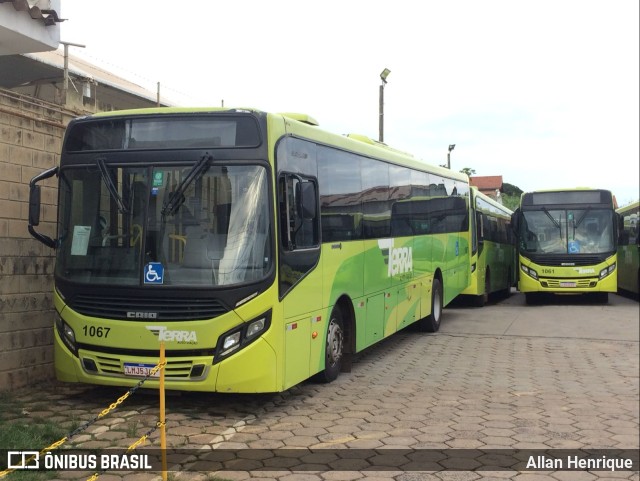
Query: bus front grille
560	260
573	283
146	308
114	366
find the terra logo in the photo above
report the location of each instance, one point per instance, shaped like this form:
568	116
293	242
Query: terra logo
582	270
181	337
399	260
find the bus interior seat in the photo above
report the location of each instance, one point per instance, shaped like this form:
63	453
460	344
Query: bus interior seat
202	247
202	253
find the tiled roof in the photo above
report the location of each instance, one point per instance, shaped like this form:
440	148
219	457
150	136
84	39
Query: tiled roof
48	17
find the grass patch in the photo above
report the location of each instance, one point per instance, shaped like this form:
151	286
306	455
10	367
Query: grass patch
132	428
19	432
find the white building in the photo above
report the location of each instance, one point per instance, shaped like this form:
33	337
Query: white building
29	26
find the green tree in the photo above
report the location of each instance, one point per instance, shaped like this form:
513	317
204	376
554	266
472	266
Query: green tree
510	201
511	195
511	189
468	170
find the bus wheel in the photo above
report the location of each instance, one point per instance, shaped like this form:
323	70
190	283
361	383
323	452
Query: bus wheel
507	290
335	347
483	298
532	298
601	297
431	323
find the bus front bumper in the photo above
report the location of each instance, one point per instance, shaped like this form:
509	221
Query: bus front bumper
530	280
250	370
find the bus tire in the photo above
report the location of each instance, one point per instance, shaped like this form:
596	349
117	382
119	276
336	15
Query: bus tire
506	293
601	297
483	298
431	323
533	298
334	349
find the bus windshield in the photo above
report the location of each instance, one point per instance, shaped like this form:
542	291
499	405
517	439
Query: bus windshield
567	231
115	227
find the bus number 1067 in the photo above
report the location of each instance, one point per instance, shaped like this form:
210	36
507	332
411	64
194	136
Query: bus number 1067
93	331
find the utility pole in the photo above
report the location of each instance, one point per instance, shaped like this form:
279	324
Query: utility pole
65	84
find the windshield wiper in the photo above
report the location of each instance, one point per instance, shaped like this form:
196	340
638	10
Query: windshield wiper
176	198
108	181
555	222
577	224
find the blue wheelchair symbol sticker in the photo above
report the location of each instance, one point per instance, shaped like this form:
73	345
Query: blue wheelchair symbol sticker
153	273
574	247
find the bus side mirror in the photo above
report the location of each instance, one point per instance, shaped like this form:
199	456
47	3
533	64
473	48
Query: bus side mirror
480	228
34	205
515	221
623	239
35	196
308	204
623	236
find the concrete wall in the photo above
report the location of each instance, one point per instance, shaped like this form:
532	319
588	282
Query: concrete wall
30	139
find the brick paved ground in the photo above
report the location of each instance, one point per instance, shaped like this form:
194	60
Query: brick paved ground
455	389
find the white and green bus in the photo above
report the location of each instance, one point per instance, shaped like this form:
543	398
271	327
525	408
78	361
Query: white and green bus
567	243
262	250
628	264
493	252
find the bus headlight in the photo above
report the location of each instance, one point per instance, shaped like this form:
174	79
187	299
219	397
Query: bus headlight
607	270
255	328
231	342
529	271
241	336
67	335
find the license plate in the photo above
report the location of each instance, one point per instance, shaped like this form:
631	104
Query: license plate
567	284
139	370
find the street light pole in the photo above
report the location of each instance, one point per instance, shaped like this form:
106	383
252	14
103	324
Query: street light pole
451	147
383	76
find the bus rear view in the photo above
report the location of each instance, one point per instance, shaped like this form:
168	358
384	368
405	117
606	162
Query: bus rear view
567	241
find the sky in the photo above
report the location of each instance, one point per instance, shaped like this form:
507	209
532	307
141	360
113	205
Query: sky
544	93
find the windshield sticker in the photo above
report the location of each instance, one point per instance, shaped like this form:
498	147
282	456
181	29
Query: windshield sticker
154	273
158	178
574	247
80	242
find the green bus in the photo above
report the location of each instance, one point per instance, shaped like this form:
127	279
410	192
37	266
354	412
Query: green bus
567	243
628	265
493	252
261	249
